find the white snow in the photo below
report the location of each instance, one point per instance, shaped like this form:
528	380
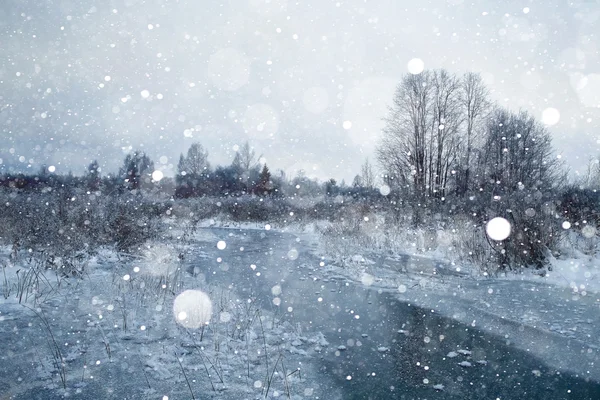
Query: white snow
550	116
498	228
157	175
415	66
139	324
192	309
384	190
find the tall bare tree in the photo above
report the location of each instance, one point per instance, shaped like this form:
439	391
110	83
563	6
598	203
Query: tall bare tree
192	172
367	176
403	151
421	139
445	123
196	161
476	106
247	157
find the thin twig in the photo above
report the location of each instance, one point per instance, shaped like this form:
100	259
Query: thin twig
185	376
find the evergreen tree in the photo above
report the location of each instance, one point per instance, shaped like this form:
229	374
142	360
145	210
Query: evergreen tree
92	176
264	186
135	166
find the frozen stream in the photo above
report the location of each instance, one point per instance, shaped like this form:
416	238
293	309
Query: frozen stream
392	348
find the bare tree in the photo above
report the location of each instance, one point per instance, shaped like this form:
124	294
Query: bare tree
520	178
246	166
193	171
247	158
367	177
590	179
421	138
196	161
475	104
403	151
518	153
444	141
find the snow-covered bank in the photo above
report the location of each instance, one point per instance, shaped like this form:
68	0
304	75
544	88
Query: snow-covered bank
554	316
580	273
117	332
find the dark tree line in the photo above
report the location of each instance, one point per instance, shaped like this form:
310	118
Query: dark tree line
195	178
244	175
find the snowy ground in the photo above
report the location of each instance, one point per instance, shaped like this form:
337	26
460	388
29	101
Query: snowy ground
115	334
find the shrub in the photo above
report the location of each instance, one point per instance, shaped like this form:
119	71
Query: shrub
65	226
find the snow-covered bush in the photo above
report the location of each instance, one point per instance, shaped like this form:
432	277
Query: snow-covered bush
361	229
64	226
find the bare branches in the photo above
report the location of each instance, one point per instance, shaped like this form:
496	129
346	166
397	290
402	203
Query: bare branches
423	141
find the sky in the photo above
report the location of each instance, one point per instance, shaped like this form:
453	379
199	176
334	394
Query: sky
307	83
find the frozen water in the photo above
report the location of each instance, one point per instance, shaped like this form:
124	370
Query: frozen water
276	290
588	231
384	190
293	254
367	279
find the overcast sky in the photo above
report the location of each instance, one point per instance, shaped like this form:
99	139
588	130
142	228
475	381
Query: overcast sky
83	80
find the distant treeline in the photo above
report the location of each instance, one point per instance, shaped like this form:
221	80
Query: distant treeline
195	177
